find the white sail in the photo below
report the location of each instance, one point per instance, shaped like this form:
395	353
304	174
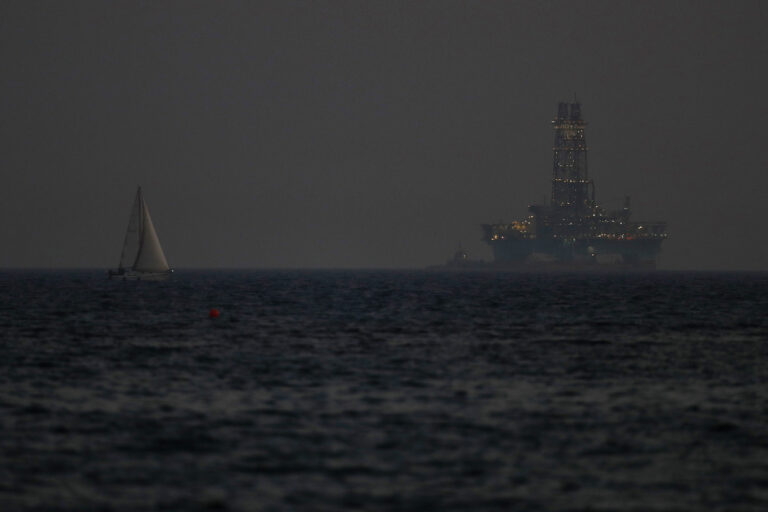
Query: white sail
150	257
132	240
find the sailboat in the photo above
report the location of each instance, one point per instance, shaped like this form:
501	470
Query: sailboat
142	256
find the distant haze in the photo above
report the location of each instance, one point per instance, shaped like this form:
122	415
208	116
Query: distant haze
372	134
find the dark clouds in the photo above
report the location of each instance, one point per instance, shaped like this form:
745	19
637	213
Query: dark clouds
371	133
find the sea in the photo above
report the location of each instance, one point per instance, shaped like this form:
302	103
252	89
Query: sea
384	390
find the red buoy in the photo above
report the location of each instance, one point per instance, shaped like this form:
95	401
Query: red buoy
214	313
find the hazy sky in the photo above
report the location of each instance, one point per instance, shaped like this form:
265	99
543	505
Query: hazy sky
372	134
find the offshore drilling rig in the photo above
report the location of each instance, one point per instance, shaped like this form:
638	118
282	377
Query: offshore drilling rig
573	229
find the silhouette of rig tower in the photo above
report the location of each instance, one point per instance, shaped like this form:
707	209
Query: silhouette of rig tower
571	186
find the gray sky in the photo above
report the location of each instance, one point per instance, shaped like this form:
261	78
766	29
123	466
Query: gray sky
372	134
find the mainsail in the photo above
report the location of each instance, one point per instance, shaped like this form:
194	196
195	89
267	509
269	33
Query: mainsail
141	248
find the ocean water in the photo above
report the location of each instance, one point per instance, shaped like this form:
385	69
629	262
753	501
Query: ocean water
366	390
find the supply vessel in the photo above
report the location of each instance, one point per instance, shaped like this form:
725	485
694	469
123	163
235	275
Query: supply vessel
574	230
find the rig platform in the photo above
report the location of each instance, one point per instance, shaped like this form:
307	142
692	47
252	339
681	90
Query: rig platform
574	231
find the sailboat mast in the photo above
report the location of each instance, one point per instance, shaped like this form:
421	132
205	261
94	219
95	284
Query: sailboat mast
132	234
141	214
140	200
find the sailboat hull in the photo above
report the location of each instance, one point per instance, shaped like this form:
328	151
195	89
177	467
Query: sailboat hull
131	275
